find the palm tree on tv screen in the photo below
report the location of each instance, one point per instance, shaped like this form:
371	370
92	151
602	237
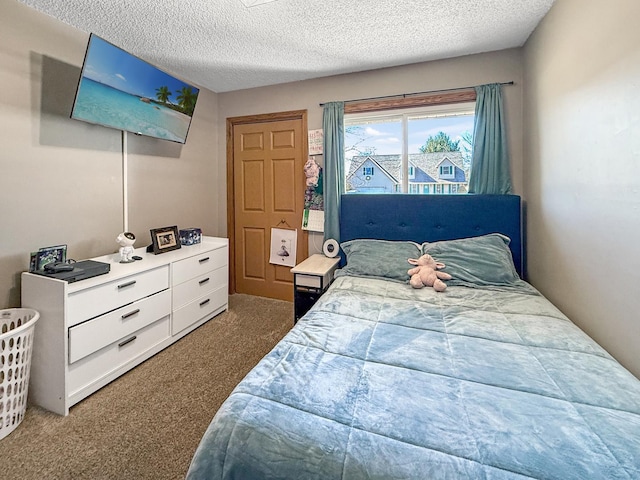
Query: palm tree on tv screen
163	93
187	100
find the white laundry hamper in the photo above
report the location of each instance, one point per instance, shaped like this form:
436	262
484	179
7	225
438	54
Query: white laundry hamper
16	342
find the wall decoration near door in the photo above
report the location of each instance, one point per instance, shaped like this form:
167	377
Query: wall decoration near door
316	139
313	216
283	247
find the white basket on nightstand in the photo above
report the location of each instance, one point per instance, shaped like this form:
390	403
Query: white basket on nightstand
16	341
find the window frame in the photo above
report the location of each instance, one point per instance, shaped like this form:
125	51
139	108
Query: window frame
446	174
405	115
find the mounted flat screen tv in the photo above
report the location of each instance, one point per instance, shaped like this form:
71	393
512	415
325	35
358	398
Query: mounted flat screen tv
119	90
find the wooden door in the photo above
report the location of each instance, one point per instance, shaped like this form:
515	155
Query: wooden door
268	156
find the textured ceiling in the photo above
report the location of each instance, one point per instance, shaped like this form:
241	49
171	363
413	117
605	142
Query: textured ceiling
226	45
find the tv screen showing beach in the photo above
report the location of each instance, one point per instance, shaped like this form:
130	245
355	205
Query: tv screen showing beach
119	90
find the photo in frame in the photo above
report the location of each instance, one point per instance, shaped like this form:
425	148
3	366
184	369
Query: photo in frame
46	255
164	240
283	247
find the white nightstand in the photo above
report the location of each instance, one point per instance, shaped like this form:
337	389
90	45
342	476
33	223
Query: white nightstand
311	278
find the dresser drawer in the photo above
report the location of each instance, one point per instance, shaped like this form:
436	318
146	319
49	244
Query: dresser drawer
89	303
93	368
188	291
191	267
91	336
198	309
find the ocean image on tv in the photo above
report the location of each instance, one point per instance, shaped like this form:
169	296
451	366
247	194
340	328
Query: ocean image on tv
122	91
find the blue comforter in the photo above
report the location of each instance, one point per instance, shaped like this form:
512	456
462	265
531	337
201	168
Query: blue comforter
382	381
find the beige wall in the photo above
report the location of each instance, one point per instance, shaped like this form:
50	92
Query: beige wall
502	66
582	166
61	180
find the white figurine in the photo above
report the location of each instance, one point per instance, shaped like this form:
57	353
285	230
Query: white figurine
126	241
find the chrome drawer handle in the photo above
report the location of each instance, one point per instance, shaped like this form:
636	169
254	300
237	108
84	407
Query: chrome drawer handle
130	314
202	282
205	259
204	302
128	284
128	340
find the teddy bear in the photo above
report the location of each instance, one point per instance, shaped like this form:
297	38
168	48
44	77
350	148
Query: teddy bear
426	273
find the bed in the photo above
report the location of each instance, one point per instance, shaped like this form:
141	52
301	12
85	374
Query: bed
486	380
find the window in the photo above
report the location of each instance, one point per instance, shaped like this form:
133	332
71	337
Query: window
416	150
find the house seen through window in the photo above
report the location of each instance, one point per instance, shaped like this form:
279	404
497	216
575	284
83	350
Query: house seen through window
423	150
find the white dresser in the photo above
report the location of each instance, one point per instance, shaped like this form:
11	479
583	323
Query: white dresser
92	331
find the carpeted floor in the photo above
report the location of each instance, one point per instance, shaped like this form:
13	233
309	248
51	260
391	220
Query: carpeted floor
147	423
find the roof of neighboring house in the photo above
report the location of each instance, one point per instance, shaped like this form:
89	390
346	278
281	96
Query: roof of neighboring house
389	164
427	163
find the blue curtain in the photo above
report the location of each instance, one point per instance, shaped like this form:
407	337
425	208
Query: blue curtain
333	150
490	162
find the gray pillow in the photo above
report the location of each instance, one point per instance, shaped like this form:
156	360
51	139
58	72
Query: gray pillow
484	260
379	258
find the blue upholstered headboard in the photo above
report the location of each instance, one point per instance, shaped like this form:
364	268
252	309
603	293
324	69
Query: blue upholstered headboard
429	218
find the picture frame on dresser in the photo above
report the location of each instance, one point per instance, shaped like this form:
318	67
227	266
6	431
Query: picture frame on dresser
164	239
46	255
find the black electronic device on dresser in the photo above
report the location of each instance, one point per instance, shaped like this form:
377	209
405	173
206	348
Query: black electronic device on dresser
73	272
311	278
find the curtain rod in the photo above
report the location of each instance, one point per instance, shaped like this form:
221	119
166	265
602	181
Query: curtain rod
405	95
